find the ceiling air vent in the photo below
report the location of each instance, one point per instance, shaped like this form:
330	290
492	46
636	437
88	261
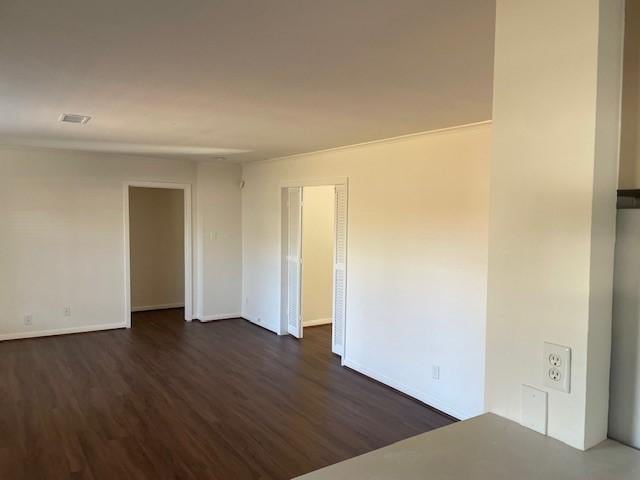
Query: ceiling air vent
74	118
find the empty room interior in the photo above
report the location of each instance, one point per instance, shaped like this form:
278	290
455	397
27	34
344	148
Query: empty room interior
321	240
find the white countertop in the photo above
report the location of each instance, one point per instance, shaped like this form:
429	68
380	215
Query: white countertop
487	447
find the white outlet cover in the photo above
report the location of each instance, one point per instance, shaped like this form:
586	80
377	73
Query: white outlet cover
534	409
556	367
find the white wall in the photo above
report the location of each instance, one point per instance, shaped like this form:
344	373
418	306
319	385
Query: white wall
220	243
318	220
553	182
62	237
417	257
156	235
62	242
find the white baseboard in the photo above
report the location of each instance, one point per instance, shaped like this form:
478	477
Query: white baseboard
424	397
60	331
165	306
220	316
316	322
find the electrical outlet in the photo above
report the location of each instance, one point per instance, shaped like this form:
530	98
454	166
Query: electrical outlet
67	311
557	367
435	372
28	320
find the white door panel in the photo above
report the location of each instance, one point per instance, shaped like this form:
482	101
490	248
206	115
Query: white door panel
340	270
294	261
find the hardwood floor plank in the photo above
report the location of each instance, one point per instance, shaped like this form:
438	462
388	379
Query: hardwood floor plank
169	399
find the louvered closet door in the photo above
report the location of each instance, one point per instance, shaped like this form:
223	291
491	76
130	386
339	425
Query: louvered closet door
340	270
294	262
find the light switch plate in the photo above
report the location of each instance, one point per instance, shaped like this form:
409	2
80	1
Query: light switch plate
556	369
534	409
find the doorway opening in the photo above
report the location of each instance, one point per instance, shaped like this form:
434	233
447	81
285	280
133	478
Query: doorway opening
316	296
157	248
314	255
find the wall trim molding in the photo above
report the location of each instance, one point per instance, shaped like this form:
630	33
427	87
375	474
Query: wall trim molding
61	331
317	321
219	316
424	397
373	142
165	306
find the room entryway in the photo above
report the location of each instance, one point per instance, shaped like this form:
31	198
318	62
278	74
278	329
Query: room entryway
158	248
318	221
314	254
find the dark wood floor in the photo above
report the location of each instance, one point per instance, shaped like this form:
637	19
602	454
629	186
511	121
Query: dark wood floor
168	399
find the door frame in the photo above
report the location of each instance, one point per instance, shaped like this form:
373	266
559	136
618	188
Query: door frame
284	217
188	251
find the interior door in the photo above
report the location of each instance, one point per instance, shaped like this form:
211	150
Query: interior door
294	261
340	270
